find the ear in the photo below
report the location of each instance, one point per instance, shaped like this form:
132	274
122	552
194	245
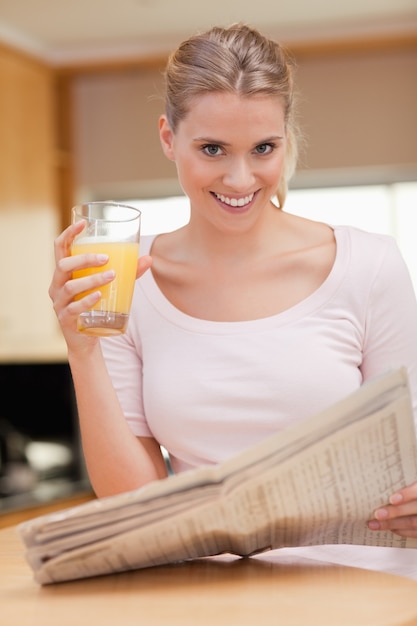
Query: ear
166	137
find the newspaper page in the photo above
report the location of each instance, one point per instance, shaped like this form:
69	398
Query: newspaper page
316	483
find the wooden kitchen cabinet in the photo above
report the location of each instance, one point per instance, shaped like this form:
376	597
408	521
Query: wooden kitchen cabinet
27	132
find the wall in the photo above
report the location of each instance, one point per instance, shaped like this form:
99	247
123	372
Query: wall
28	326
116	129
360	111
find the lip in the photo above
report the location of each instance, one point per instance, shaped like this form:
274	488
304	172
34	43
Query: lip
232	208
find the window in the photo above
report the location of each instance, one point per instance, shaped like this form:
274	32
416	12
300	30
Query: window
388	209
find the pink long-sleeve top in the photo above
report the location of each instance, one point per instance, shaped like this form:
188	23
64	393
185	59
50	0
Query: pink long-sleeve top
206	390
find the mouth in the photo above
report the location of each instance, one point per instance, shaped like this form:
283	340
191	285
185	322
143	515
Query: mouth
233	202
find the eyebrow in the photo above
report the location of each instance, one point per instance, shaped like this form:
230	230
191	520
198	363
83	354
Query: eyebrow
225	143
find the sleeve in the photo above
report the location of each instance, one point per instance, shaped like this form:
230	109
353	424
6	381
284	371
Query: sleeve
123	359
391	321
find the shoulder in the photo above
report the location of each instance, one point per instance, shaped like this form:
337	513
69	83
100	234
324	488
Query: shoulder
371	255
364	237
368	245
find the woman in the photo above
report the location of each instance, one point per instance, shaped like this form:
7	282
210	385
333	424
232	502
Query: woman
250	318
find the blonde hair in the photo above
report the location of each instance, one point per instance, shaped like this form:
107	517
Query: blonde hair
237	59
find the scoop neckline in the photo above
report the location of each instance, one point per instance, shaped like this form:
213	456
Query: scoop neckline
305	307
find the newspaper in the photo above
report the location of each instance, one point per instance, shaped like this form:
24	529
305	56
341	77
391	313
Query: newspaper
313	484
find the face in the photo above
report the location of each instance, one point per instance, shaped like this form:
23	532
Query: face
229	152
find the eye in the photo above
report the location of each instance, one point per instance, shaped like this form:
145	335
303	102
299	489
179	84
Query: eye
265	148
211	149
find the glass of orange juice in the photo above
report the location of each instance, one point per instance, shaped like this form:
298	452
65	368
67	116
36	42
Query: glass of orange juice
112	229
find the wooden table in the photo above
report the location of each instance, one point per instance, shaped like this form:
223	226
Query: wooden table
273	588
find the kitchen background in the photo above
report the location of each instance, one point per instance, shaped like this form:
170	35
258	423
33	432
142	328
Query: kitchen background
85	127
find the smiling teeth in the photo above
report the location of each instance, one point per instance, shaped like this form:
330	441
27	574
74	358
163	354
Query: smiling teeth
234	201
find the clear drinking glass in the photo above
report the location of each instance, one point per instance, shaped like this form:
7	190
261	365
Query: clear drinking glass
112	229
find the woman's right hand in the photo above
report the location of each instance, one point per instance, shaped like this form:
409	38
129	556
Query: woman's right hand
64	287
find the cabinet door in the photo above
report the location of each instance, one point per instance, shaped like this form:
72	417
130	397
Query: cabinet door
27	127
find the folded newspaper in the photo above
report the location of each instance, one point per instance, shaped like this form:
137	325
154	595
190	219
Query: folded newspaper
315	483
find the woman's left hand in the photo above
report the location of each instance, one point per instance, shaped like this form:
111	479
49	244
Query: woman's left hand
400	515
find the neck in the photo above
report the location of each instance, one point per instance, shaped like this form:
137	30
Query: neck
205	243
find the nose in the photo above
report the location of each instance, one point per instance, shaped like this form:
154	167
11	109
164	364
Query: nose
239	175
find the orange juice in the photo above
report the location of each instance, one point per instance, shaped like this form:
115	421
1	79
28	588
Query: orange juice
110	315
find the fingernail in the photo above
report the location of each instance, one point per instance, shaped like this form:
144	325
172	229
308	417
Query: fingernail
102	258
381	514
109	274
396	498
373	525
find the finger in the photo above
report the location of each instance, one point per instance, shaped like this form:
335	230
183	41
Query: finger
69	314
63	287
73	288
70	264
407	494
89	283
405	526
63	243
144	263
393	512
